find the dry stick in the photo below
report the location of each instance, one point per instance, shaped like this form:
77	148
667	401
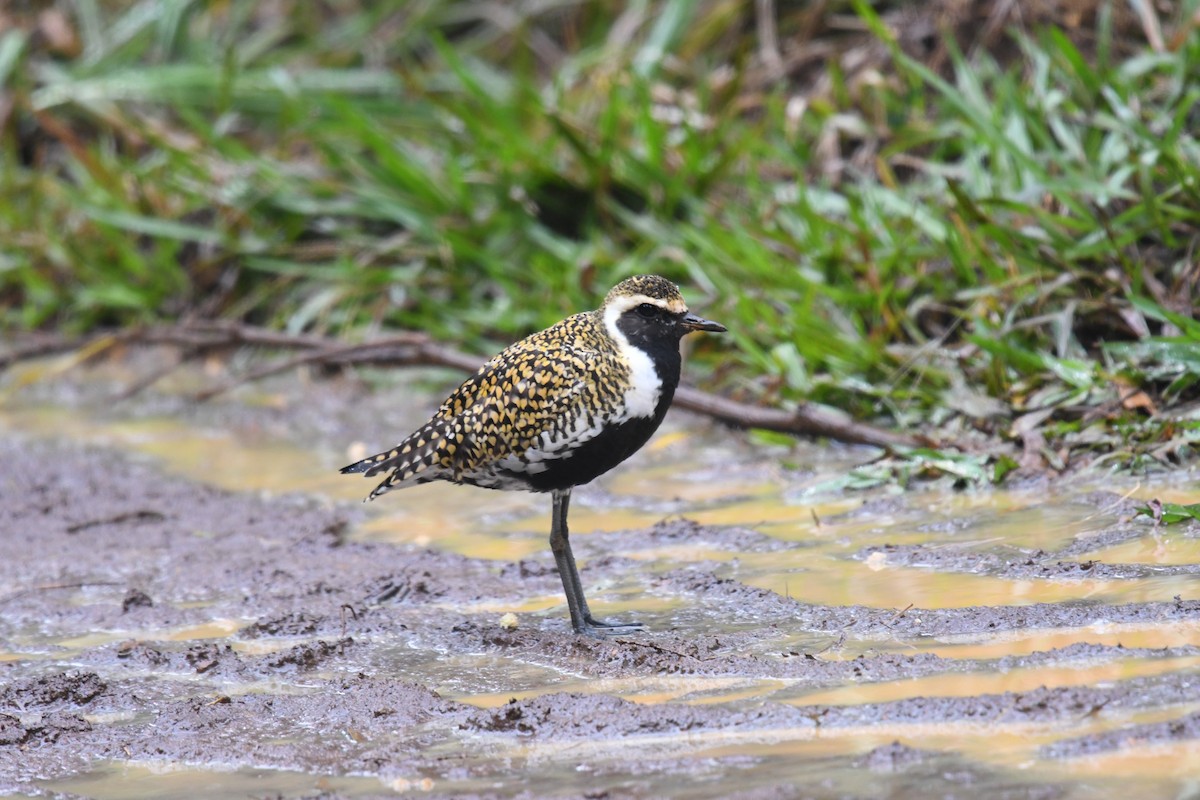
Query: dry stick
48	586
218	334
417	349
804	420
40	346
199	336
897	616
405	350
311	357
182	356
425	353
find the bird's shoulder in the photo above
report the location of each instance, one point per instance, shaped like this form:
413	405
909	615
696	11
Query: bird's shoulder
544	373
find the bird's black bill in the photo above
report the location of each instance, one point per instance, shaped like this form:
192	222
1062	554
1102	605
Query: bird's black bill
694	323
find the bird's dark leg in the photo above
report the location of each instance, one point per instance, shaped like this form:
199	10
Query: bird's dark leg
560	545
581	616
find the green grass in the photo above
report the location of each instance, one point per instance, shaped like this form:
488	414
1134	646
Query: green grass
950	249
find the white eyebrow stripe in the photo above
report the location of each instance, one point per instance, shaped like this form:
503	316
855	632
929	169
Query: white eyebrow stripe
632	301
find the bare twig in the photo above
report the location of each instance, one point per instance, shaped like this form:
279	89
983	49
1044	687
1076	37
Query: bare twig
181	357
896	617
134	517
49	586
315	356
44	345
805	420
835	644
346	607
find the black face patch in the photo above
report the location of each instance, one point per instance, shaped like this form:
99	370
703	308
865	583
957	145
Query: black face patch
651	328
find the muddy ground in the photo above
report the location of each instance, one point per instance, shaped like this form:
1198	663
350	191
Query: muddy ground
334	666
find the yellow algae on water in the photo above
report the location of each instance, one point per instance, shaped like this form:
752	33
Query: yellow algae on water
997	644
1161	549
212	629
235	460
647	690
826	578
970	684
1178	760
142	780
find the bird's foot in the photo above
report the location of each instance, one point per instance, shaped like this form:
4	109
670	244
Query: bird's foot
598	629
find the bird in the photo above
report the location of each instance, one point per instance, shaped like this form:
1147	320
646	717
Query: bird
554	411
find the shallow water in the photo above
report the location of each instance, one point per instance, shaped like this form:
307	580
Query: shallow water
159	781
713	477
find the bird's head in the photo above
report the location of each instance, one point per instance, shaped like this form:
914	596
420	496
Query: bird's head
649	307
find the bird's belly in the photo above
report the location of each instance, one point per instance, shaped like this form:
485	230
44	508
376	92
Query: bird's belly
589	459
568	456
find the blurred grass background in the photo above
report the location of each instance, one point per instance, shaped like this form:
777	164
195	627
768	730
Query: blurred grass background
981	218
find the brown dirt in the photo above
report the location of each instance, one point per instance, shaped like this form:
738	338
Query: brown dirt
359	635
352	658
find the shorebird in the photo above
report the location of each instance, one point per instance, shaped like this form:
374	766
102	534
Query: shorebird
554	411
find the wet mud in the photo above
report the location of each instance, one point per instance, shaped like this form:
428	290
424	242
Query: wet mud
1013	565
152	623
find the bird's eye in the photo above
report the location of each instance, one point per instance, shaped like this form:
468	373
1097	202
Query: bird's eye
648	310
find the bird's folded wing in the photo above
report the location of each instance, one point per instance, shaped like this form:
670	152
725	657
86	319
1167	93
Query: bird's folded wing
537	399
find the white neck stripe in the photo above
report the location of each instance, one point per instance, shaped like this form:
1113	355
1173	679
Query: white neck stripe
645	387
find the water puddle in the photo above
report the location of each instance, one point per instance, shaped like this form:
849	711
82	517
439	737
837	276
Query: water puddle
213	629
1019	643
646	690
835	761
1172	761
166	781
1161	549
238	460
835	581
1023	679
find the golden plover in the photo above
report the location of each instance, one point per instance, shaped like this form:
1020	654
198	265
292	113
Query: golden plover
554	411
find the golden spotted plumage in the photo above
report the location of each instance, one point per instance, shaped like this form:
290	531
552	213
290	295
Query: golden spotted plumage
532	390
537	397
555	410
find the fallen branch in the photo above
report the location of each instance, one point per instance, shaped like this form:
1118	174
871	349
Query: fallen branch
39	345
805	420
351	353
417	349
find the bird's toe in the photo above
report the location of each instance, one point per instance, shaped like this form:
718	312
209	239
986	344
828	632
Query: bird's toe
599	629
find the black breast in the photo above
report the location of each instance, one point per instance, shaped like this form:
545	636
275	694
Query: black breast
617	442
600	454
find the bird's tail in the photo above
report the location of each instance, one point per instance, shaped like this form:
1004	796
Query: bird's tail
409	458
373	465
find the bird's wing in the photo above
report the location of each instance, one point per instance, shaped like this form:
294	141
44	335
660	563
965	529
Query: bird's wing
529	403
534	399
